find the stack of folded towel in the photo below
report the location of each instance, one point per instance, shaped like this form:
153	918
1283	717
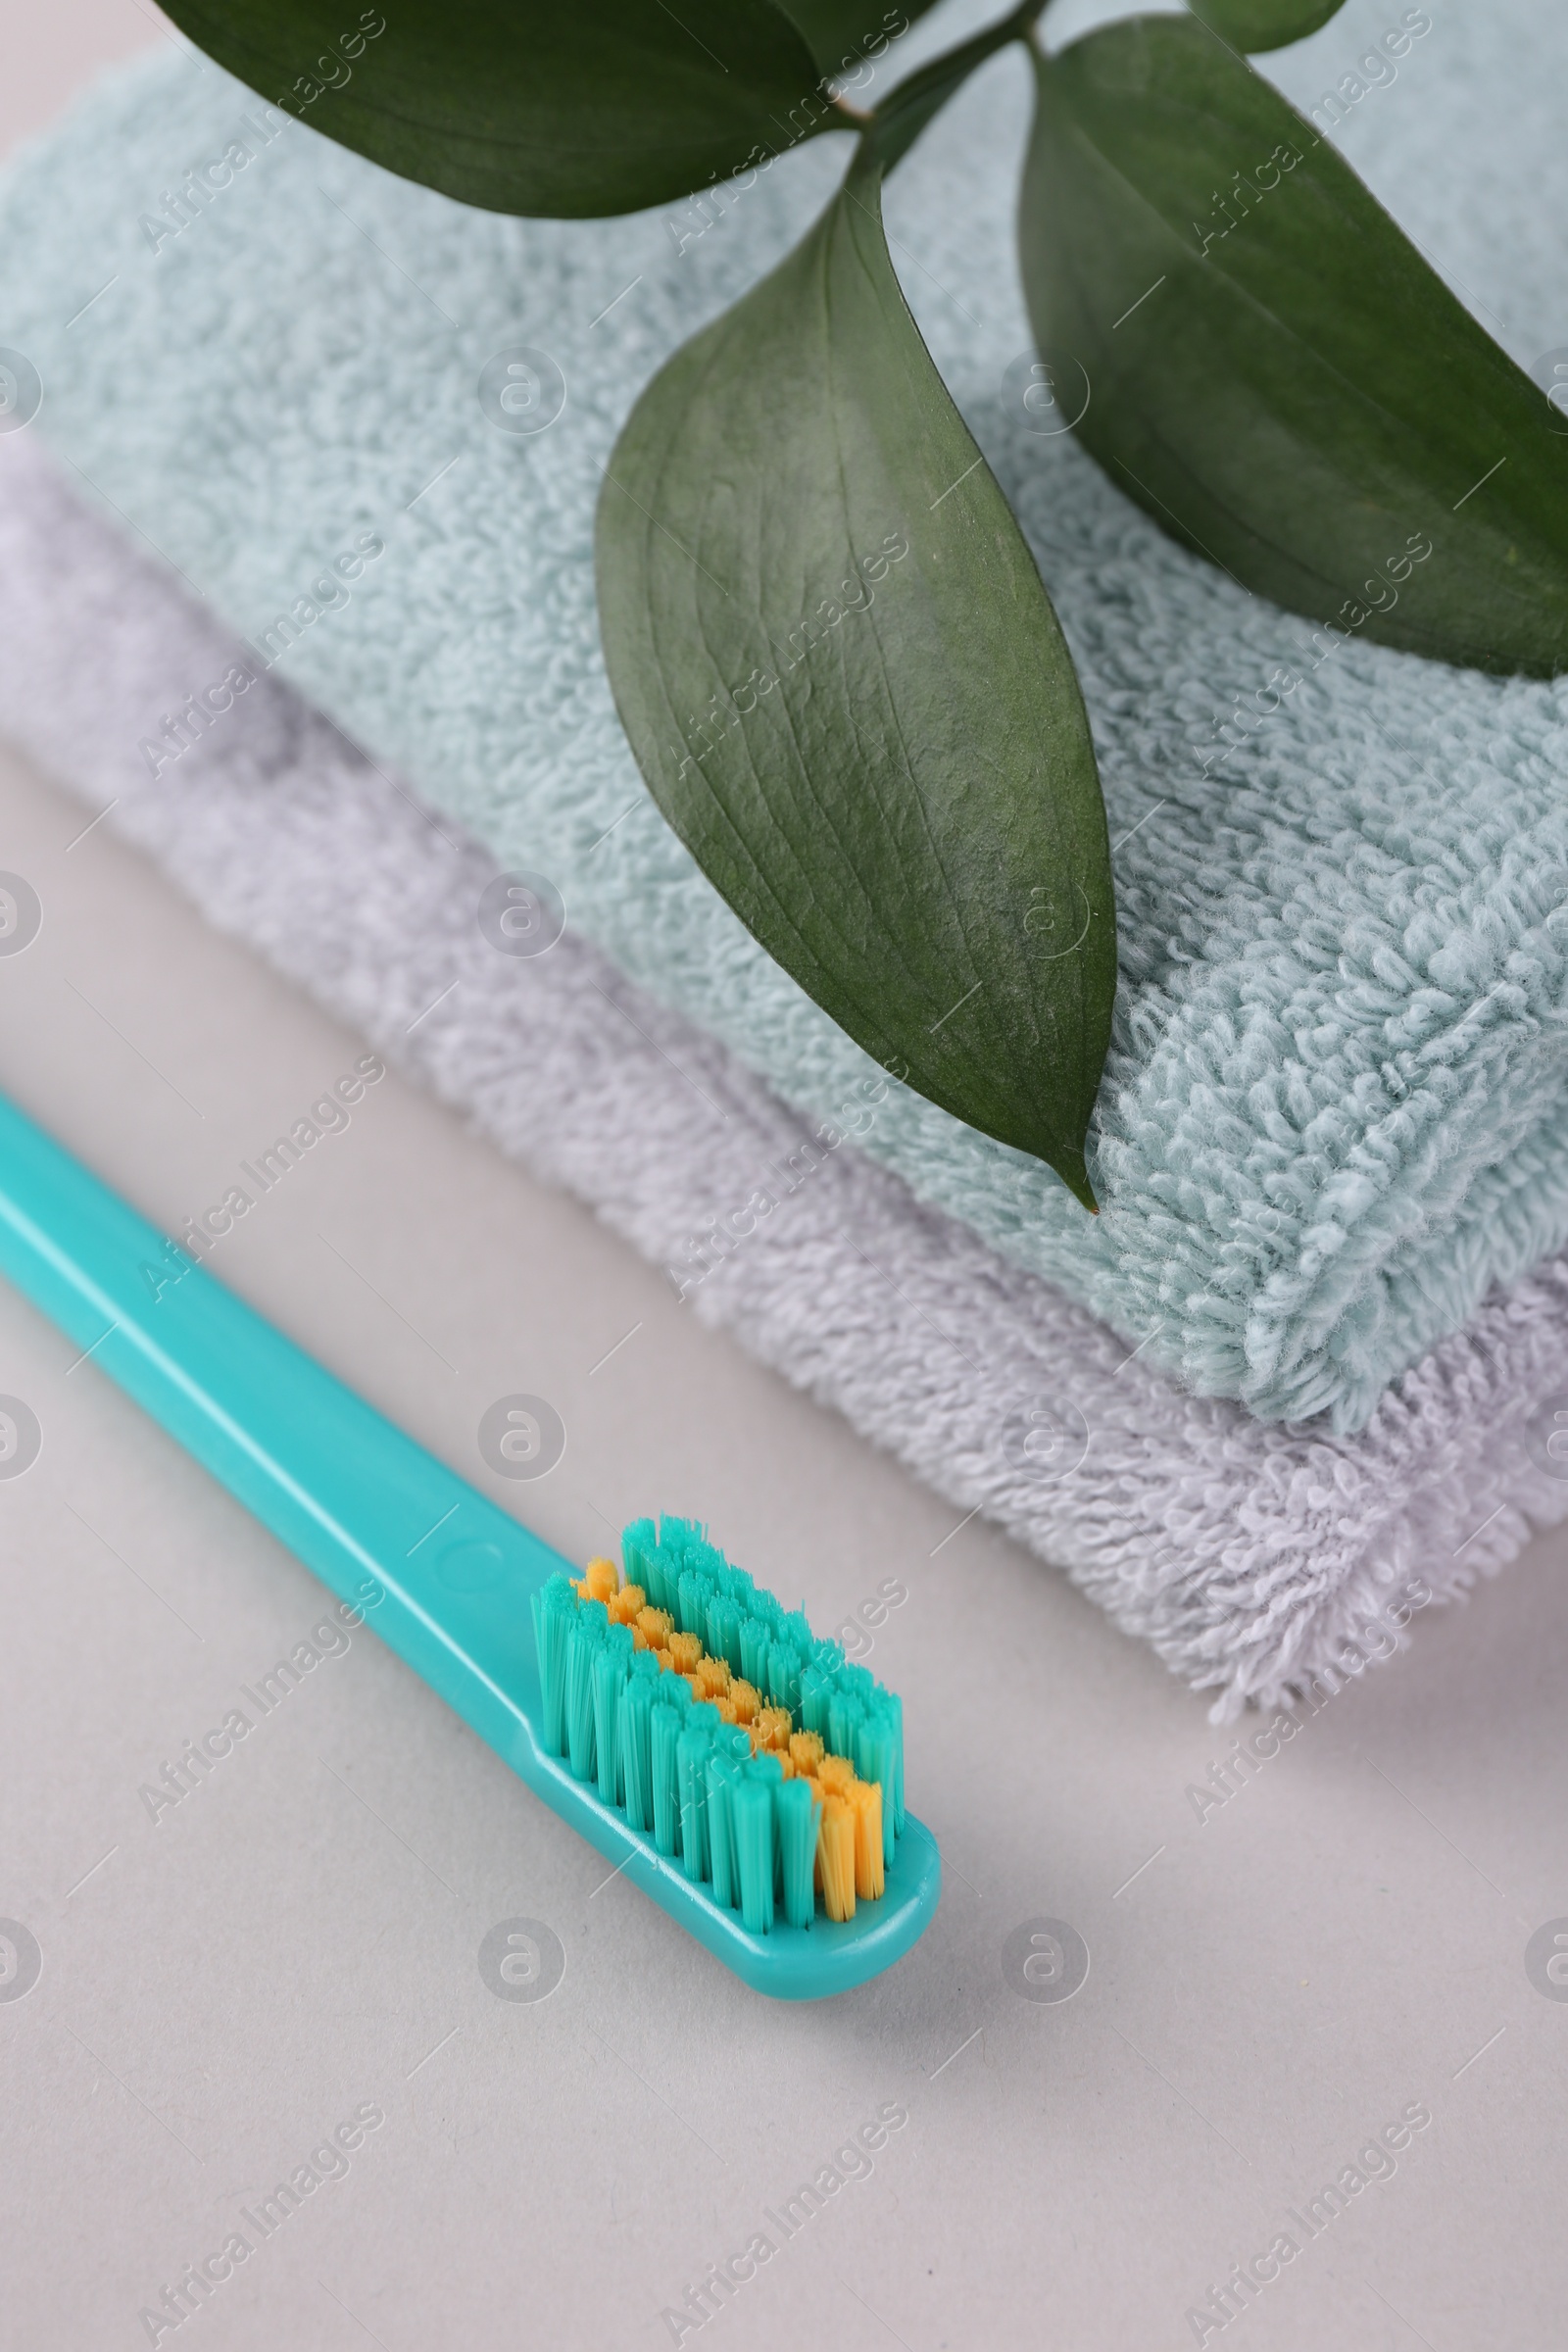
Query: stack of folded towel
1309	1355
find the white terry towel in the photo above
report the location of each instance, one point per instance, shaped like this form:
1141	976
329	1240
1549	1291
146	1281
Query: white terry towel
1334	1111
1251	1555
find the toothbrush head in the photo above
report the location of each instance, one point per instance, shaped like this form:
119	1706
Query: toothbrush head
735	1766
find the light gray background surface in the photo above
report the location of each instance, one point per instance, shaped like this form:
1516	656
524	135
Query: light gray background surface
1267	1986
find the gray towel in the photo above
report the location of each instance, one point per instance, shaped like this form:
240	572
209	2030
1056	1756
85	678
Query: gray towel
1252	1556
1333	1112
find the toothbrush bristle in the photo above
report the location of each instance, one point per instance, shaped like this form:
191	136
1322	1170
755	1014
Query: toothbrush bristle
711	1717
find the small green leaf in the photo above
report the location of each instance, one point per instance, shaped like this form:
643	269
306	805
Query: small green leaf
1275	372
838	36
1254	25
847	689
570	109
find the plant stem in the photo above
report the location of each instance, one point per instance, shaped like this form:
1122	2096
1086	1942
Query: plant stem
893	127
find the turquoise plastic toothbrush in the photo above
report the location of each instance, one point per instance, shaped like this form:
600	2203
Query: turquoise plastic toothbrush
354	1498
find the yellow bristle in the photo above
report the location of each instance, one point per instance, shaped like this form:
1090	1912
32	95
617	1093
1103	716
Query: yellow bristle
866	1799
601	1579
655	1626
835	1850
715	1678
806	1750
773	1729
726	1710
745	1699
628	1605
837	1774
685	1650
694	1684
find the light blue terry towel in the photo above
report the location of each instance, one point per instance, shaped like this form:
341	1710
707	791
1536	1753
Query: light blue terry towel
1337	1103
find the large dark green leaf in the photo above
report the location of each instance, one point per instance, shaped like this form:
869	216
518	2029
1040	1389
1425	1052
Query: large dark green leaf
844	37
1276	374
848	694
1254	25
559	107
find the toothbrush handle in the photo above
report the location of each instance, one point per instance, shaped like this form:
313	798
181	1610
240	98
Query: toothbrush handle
383	1523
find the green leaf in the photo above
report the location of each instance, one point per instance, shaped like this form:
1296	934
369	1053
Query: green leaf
1254	24
570	108
840	35
1275	372
847	689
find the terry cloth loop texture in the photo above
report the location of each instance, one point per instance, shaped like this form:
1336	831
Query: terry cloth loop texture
1248	1554
1335	1109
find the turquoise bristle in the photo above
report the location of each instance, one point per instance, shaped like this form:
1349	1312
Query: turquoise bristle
721	1773
724	1632
584	1639
752	1817
694	1592
844	1713
894	1707
663	1575
553	1609
636	1762
681	1550
875	1753
638	1545
816	1690
731	1749
767	1767
683	1778
796	1812
753	1651
665	1729
692	1752
784	1677
795	1630
610	1662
